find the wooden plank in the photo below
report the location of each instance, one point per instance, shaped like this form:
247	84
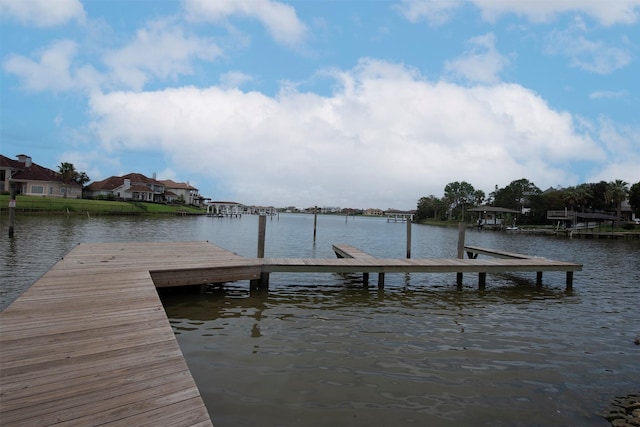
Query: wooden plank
90	342
447	265
495	253
348	251
199	276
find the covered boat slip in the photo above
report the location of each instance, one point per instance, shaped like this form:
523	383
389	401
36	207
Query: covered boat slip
89	343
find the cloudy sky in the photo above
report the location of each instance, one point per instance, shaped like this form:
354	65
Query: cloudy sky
330	103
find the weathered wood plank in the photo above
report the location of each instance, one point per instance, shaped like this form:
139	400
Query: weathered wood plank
90	342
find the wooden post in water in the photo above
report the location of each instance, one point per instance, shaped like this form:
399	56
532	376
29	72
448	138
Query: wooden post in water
12	208
409	221
461	231
263	282
315	221
262	228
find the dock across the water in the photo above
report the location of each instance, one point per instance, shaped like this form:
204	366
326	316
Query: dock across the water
89	343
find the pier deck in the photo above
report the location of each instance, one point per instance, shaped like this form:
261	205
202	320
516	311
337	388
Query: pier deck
89	343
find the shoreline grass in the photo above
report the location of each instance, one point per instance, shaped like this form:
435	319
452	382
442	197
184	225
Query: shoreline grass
58	205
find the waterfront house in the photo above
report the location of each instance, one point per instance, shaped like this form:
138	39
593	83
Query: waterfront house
374	212
133	186
175	191
32	179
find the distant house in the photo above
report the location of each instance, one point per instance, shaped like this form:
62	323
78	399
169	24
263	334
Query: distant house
133	186
176	190
34	180
374	211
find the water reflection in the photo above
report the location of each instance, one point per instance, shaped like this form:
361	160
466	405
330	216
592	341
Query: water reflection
406	355
324	350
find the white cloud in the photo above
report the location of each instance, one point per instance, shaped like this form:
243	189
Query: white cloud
160	50
593	56
54	69
234	79
42	13
482	63
434	12
280	19
384	139
621	143
606	12
599	94
50	71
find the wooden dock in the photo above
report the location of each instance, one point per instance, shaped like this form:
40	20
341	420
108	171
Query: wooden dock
89	343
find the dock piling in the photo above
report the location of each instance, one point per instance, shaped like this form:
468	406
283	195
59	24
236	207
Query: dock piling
409	221
315	222
263	281
461	232
12	208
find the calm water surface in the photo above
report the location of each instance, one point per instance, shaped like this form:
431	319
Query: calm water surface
320	350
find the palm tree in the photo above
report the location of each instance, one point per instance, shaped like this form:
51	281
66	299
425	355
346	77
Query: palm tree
570	197
583	195
617	192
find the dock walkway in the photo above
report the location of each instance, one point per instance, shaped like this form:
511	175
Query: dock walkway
89	343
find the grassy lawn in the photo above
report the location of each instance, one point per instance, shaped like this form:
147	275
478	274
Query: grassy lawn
83	206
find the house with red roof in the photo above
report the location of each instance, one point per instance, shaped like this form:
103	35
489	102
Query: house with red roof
137	187
174	191
133	186
32	179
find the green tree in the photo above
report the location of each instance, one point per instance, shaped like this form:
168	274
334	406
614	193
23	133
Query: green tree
583	195
70	175
570	197
516	194
478	197
634	198
458	195
599	198
617	193
430	207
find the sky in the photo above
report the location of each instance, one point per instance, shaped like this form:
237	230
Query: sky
352	104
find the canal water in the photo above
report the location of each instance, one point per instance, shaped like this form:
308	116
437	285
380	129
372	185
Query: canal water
321	350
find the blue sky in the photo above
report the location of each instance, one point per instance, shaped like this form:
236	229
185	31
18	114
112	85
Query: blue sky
330	103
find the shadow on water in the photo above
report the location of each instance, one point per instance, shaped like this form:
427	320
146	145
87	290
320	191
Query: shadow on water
234	299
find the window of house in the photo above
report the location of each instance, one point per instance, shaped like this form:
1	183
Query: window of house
37	189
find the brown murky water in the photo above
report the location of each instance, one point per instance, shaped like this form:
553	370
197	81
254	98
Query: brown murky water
320	350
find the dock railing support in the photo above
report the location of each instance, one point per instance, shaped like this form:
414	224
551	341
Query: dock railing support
461	231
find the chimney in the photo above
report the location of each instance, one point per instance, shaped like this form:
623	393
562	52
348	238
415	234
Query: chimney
23	158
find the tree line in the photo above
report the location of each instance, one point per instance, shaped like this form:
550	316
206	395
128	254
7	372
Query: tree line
459	197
